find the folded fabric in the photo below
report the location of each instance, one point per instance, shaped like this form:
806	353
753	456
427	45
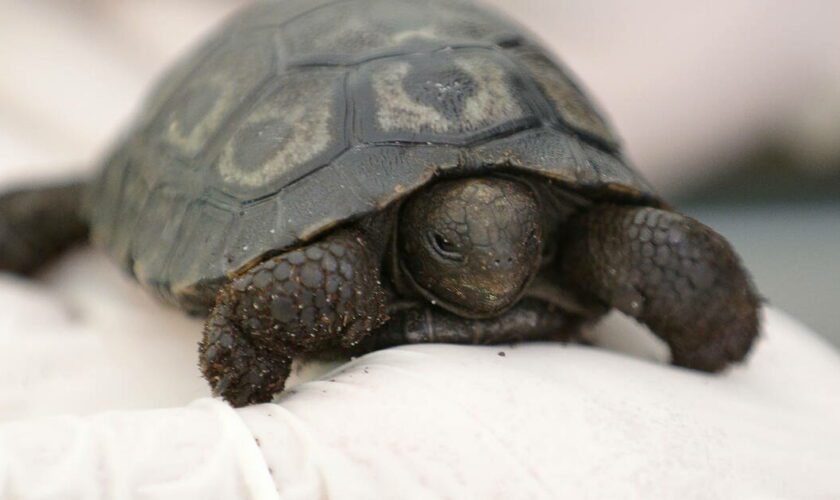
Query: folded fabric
527	421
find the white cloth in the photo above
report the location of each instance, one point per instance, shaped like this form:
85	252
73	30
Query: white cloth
86	355
540	421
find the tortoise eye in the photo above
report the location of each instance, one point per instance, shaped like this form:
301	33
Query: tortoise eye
444	247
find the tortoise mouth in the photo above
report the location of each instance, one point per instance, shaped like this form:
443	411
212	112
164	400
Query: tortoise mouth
483	310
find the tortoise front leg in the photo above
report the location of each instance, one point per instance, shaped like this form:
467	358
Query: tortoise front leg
37	224
325	296
670	272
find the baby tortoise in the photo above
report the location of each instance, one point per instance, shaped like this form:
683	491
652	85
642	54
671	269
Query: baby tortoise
352	174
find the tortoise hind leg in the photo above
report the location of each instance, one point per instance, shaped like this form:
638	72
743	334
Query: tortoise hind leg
322	297
670	272
36	225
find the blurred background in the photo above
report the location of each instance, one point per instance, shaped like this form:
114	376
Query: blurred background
731	108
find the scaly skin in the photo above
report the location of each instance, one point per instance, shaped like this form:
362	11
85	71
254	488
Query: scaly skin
670	272
321	297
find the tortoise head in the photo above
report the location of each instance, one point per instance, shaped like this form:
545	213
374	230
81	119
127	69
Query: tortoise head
471	245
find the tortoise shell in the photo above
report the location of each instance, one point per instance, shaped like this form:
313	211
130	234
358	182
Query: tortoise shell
298	115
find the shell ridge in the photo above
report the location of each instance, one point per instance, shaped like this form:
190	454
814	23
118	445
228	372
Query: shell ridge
292	129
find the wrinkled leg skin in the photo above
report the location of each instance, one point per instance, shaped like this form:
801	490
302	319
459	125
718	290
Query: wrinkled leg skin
37	225
326	296
530	319
670	272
